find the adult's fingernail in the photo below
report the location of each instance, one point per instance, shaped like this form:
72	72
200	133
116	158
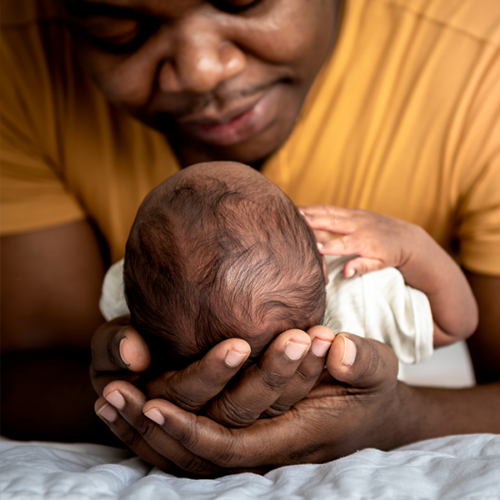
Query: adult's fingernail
320	347
155	416
116	399
107	412
235	358
350	273
126	349
349	352
295	351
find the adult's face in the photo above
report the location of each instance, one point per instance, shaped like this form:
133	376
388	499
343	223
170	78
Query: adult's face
224	79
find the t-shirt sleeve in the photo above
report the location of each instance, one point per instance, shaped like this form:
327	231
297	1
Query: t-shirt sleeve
478	164
112	302
33	192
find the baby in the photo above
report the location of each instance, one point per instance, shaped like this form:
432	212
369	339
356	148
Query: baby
218	251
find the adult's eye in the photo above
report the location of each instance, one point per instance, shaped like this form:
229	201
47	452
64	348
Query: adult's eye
118	35
235	6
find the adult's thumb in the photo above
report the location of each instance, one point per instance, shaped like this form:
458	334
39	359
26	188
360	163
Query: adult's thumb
361	362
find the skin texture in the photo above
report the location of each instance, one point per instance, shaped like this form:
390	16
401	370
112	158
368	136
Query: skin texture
201	64
56	318
381	242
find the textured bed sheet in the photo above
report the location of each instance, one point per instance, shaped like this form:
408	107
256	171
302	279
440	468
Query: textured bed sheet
454	467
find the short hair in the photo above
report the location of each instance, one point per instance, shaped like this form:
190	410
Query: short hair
208	260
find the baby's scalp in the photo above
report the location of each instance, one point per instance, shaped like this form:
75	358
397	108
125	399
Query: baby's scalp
219	251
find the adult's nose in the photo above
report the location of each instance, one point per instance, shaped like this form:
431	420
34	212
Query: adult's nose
201	60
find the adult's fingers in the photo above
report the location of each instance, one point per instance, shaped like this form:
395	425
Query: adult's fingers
121	409
192	387
361	362
117	350
262	445
333	421
308	373
132	438
262	384
116	345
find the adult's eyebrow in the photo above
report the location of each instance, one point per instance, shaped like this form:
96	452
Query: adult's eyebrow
83	9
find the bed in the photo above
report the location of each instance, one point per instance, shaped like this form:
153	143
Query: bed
453	467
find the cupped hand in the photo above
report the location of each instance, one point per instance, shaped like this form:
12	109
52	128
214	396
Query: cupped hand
378	240
285	374
120	353
364	406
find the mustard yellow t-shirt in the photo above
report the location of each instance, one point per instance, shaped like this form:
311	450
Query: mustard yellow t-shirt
404	119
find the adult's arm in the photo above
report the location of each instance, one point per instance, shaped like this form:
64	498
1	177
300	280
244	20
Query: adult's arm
50	282
484	345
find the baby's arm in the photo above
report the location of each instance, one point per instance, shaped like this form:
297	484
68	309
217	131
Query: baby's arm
381	241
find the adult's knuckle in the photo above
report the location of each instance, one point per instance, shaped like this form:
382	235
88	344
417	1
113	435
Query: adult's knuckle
228	411
130	438
277	409
194	465
146	429
183	400
274	381
227	455
307	376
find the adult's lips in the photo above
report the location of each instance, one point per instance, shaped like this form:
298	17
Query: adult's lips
234	124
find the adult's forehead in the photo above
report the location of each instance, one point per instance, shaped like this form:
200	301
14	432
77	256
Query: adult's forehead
167	8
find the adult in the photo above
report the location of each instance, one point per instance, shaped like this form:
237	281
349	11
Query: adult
384	105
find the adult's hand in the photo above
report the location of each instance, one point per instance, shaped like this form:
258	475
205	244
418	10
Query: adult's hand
285	373
118	353
366	407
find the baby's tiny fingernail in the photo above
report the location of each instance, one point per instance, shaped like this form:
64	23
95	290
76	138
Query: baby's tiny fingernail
116	399
235	358
349	352
320	245
295	351
107	412
320	347
350	273
155	416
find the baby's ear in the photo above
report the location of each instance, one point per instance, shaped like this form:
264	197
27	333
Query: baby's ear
325	270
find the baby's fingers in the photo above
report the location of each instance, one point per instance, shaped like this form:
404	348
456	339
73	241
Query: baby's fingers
341	245
362	265
334	222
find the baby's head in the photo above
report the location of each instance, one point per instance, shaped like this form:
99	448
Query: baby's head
218	251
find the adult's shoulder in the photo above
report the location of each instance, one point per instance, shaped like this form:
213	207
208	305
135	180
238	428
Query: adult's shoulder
479	19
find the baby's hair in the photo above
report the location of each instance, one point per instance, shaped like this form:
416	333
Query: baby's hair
209	260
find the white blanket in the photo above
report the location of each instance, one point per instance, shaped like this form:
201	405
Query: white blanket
456	467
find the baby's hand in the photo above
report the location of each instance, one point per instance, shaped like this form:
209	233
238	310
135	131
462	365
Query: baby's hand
378	240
